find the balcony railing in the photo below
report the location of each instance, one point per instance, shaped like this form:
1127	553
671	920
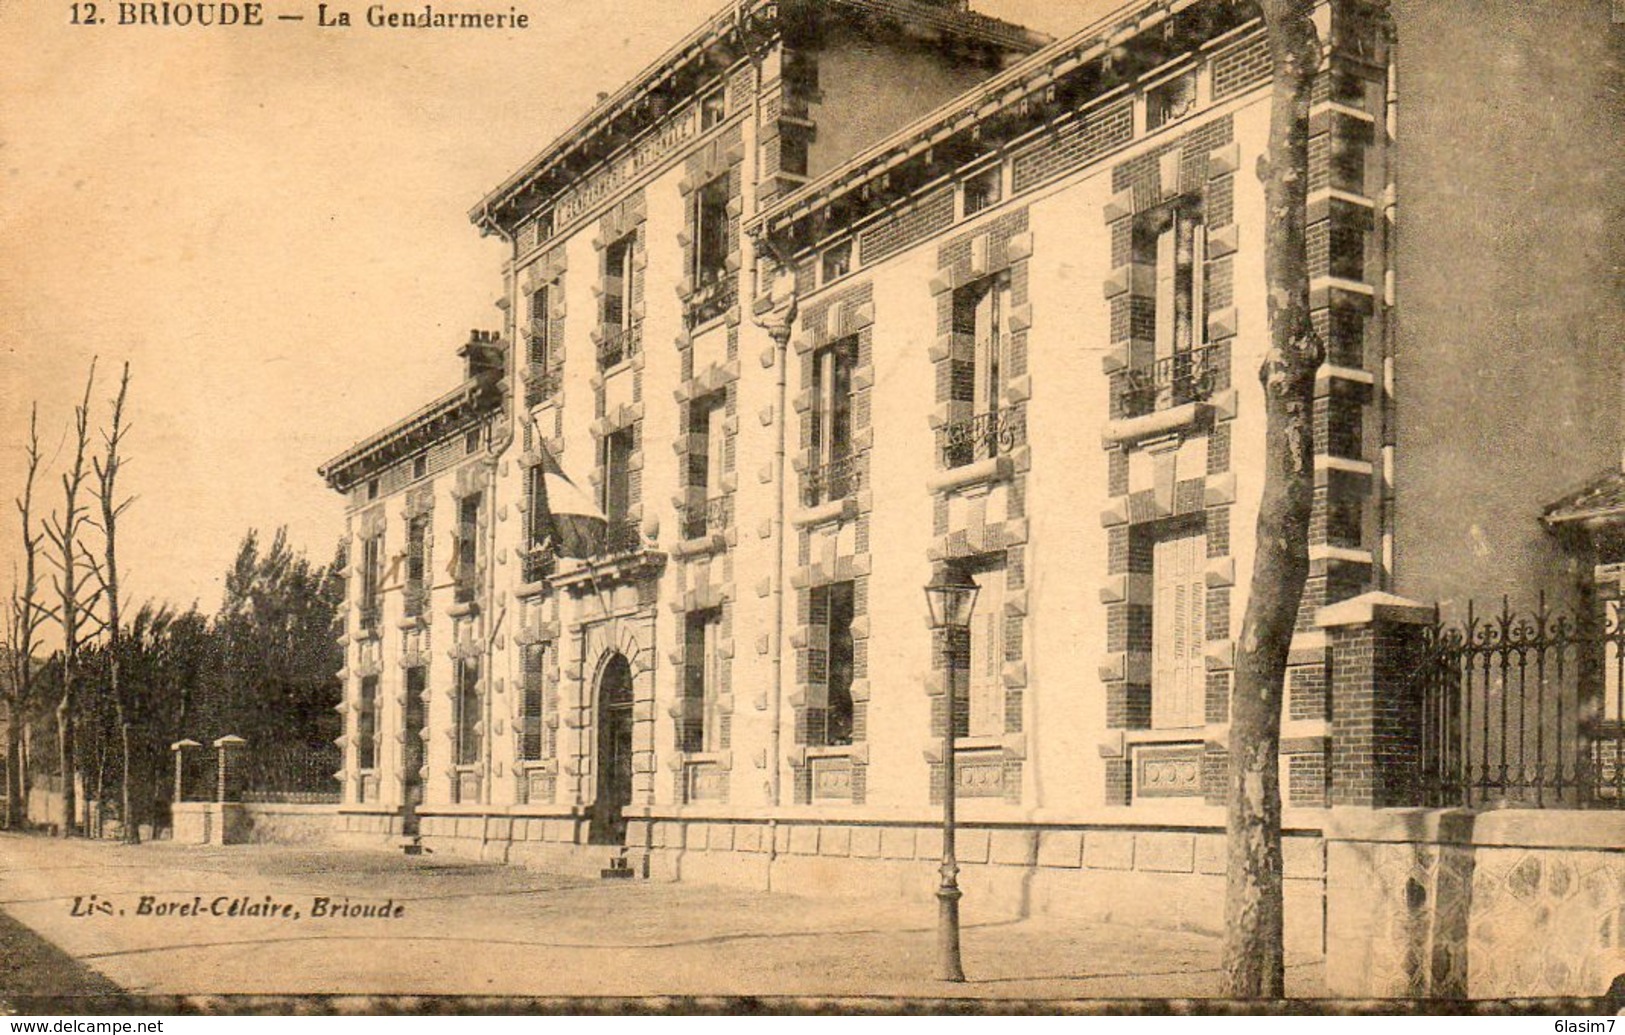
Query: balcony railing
617	343
1184	377
621	537
539	563
541	384
835	480
984	436
707	517
713	296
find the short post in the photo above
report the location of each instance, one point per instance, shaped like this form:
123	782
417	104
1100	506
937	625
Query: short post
951	596
224	746
179	748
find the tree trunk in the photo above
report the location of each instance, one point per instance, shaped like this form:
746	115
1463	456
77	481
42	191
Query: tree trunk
1253	954
132	832
15	792
65	757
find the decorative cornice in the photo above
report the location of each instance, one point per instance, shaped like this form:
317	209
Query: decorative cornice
695	56
470	402
1082	71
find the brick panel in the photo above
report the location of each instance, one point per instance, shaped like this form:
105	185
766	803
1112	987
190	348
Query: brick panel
1076	145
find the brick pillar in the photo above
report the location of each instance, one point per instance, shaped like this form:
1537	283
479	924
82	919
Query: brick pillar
1377	644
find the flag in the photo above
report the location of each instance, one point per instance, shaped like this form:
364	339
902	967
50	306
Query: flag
565	515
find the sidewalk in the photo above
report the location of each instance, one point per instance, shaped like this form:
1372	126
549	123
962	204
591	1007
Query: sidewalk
164	919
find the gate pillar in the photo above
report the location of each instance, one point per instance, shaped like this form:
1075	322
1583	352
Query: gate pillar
1378	641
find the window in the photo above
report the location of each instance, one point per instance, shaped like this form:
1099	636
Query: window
471	442
705	513
468	548
616	317
417	565
832	474
617	466
713	109
700	726
537	343
538	526
980	311
830	664
1171	241
413	722
420	466
983	190
533	745
1171	100
366	725
466	720
837	261
710	251
372	578
372	489
1178	630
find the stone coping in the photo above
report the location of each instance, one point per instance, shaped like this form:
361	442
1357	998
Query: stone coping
1185	818
1496	828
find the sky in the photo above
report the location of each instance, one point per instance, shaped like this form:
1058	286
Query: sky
270	227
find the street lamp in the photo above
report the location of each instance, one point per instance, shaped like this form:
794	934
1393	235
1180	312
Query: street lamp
951	596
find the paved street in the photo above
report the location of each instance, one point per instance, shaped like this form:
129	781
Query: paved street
185	920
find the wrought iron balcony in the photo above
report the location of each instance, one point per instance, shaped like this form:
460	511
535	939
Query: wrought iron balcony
836	480
707	517
984	436
713	295
1184	377
539	563
621	537
541	384
617	343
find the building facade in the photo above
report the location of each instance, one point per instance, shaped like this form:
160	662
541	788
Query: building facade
831	297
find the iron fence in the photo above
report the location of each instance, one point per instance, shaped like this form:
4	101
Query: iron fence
1523	710
285	773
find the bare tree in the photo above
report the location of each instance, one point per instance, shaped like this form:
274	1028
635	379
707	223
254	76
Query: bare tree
77	597
24	617
106	491
1253	951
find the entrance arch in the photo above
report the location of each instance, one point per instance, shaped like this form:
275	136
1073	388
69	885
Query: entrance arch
614	743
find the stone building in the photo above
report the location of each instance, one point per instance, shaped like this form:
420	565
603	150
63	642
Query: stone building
836	295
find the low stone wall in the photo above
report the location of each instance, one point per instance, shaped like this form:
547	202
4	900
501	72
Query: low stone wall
235	823
1141	876
1511	903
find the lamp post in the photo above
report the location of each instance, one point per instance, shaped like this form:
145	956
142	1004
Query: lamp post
951	596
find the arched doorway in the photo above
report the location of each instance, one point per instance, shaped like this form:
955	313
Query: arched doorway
614	768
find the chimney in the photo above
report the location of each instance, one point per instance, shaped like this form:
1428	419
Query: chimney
484	355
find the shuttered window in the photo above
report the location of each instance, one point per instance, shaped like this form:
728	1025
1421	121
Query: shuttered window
1179	632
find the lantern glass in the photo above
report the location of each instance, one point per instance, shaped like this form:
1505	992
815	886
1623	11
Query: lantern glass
951	596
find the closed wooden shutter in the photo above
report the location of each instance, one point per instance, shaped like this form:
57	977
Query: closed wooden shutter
1179	632
986	676
531	703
